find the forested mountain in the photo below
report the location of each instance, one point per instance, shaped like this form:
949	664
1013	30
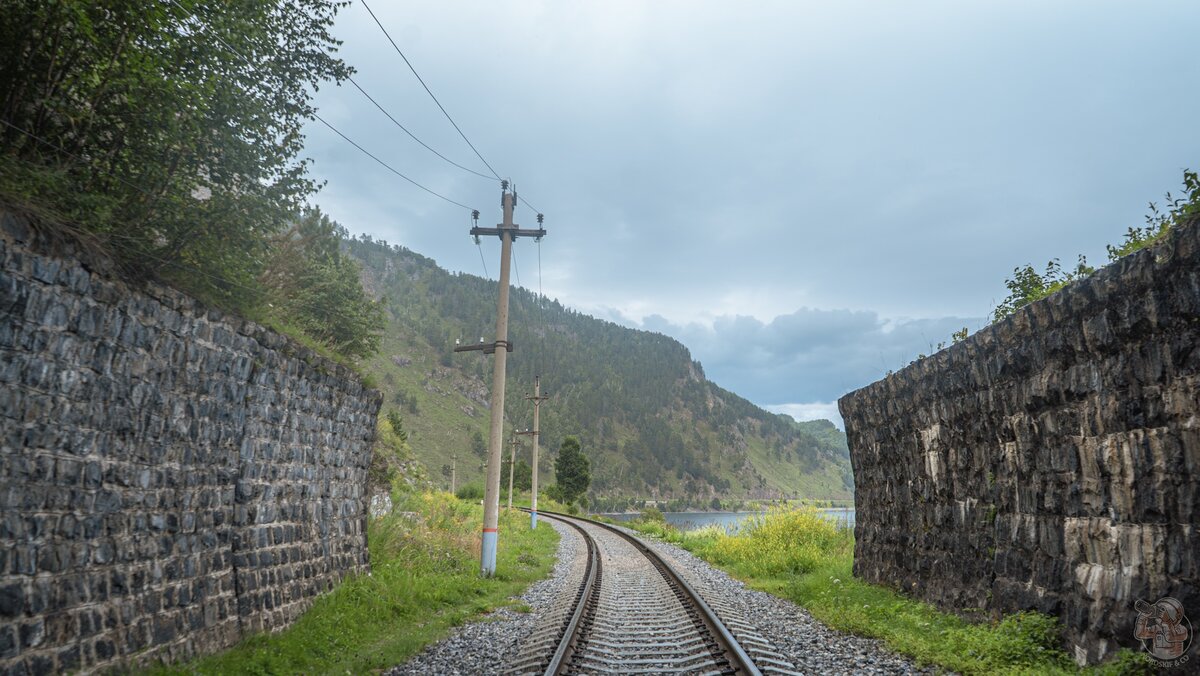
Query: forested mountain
652	424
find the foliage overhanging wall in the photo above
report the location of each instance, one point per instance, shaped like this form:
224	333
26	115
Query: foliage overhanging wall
1050	461
171	478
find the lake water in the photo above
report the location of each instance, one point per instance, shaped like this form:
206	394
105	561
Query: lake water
843	517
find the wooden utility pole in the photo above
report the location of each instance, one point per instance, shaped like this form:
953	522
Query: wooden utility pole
537	400
507	232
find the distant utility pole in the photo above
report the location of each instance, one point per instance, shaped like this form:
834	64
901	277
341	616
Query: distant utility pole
507	232
512	463
537	400
453	469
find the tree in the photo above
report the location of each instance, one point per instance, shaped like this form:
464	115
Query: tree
522	474
311	285
572	470
170	130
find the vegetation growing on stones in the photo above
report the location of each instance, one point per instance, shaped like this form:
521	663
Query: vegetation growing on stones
170	132
309	283
1027	285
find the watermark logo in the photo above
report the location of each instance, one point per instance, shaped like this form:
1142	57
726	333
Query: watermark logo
1164	631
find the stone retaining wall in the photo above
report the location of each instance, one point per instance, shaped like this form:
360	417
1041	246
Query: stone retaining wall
1048	462
172	478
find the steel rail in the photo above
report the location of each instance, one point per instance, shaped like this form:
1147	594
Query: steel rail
571	631
741	662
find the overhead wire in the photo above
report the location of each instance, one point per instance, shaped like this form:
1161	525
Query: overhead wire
411	135
338	132
481	260
446	113
388	166
516	268
157	196
531	207
428	90
541	309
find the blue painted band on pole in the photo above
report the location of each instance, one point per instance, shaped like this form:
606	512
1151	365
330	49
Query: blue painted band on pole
489	552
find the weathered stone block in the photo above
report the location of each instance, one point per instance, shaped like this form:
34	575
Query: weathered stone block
1051	461
151	445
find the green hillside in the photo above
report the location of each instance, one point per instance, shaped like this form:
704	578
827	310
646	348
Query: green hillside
652	424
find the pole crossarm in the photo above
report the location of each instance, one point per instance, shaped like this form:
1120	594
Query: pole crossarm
514	232
486	348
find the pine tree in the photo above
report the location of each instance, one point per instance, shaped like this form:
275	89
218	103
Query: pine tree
572	470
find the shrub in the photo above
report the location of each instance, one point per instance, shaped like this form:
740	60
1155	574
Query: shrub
780	542
653	514
470	492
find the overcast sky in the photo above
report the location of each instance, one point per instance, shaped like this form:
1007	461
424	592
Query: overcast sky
805	194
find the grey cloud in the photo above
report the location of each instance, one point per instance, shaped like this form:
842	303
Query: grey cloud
729	162
810	355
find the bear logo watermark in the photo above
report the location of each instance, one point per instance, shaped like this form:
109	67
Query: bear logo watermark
1164	631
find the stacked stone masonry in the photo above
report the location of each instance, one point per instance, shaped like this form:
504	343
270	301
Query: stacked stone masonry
1048	462
172	478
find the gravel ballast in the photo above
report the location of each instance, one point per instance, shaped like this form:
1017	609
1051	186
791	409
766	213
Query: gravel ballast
485	647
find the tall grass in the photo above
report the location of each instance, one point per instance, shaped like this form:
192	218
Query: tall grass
779	542
424	580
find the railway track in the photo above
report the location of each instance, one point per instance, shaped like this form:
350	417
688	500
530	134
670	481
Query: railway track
631	612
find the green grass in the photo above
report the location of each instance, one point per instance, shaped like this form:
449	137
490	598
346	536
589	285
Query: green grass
424	581
797	555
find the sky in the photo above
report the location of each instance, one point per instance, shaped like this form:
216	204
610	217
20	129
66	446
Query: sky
807	195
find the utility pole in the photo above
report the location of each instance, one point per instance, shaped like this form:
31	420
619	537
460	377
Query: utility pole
507	232
512	462
537	400
453	469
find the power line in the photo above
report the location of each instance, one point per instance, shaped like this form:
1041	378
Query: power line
533	208
516	268
388	166
335	129
411	135
541	310
481	260
428	90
